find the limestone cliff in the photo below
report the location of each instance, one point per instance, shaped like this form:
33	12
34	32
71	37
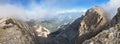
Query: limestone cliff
92	24
110	34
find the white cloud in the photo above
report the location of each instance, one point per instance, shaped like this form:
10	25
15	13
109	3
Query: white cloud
71	11
112	7
10	10
20	12
17	10
34	10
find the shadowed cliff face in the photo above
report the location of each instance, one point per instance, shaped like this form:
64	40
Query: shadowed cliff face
110	33
92	24
14	31
69	35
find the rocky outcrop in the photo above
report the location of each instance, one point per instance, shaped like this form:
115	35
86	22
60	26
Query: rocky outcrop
14	31
92	24
110	35
41	31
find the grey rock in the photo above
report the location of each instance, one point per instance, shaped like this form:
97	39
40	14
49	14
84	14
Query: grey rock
92	24
14	31
69	35
110	33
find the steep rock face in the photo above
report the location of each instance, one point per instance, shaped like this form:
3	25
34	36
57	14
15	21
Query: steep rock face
110	35
69	35
66	34
14	31
92	24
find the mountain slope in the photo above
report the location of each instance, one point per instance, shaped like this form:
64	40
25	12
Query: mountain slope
92	24
14	31
110	34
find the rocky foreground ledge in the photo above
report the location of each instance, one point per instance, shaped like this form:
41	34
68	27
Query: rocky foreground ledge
13	31
93	28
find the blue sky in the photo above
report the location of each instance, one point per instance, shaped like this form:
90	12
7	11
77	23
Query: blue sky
42	8
59	3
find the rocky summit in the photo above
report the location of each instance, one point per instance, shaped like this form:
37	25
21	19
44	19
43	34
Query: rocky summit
110	33
93	28
14	31
92	24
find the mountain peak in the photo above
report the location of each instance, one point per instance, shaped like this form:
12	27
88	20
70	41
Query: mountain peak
98	10
92	24
110	33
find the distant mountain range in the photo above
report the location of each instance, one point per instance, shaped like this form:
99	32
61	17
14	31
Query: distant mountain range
52	23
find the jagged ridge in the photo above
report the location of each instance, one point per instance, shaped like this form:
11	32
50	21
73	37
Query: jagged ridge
14	31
